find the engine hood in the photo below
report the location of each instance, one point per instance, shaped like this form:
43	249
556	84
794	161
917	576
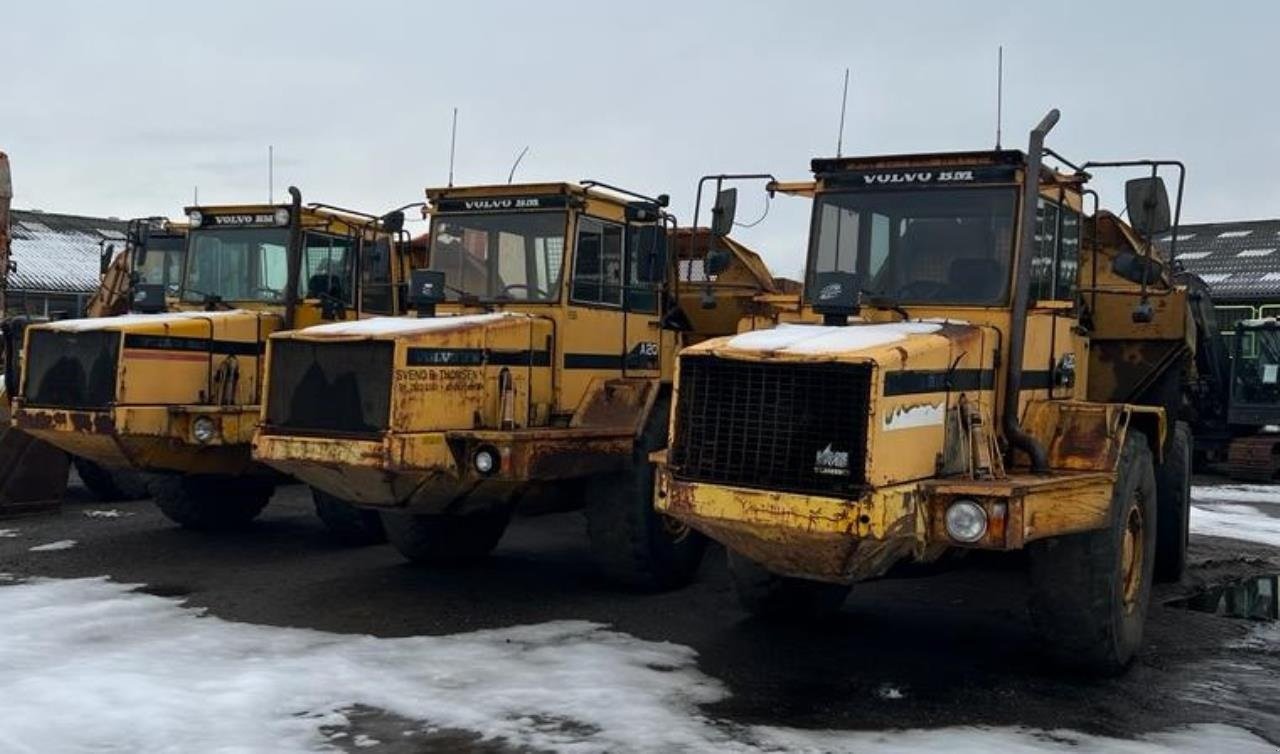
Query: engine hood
881	342
392	328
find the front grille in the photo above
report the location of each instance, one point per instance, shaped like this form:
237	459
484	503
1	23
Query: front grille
790	427
330	387
71	369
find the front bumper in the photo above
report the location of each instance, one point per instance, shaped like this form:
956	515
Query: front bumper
843	541
432	471
158	438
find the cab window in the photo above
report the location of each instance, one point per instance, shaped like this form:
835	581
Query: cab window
1055	257
375	277
597	277
328	267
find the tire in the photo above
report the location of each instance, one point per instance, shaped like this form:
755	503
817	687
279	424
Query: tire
111	485
631	542
767	595
1173	501
211	503
1088	602
445	538
348	523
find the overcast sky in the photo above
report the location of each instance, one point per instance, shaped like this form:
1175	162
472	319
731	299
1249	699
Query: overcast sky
122	108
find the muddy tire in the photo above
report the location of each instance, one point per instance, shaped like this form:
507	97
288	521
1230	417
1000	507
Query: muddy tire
1173	502
767	595
349	524
211	503
445	538
1090	591
111	485
632	543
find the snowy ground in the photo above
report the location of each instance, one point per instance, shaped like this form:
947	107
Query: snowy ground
1250	512
91	665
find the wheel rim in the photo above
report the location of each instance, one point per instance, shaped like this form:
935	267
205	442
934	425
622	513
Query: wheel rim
1132	556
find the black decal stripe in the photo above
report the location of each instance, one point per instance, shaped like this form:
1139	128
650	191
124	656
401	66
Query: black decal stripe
916	381
192	345
593	361
1037	380
470	357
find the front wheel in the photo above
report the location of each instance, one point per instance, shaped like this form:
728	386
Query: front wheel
445	537
111	485
347	523
782	598
211	503
1090	591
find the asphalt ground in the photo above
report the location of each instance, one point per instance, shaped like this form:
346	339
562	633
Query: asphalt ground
955	647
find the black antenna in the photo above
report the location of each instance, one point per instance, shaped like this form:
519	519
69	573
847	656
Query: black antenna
271	174
519	157
844	101
999	92
453	140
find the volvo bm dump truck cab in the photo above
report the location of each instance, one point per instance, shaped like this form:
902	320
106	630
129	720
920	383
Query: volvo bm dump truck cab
178	392
536	377
982	370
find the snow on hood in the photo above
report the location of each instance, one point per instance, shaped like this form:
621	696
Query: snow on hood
823	339
394	325
97	323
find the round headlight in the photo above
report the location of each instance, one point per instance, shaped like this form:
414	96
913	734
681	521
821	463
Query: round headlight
203	429
485	461
282	216
195	218
966	521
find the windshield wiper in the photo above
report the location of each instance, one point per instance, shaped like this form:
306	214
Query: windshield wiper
464	297
882	300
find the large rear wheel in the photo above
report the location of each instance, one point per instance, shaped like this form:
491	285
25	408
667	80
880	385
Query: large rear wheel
782	598
1090	591
348	523
111	485
211	503
445	537
632	543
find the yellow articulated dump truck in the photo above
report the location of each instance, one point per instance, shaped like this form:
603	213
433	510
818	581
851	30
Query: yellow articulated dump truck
986	365
536	376
175	389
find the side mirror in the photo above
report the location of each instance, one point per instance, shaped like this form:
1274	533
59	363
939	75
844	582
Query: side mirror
723	213
104	258
141	240
426	289
650	254
1148	203
393	222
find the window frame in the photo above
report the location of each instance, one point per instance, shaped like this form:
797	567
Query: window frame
556	291
577	258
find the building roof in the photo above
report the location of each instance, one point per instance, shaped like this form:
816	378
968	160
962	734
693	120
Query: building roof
53	252
1239	260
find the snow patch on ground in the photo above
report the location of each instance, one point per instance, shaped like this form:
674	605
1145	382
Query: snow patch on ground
8	533
1220	511
108	513
821	339
61	544
90	665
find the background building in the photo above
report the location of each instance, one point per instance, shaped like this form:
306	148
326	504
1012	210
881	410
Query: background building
57	261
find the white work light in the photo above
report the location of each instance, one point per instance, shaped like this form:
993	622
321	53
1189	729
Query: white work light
966	521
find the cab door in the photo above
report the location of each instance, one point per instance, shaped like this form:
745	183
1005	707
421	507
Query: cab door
594	335
645	265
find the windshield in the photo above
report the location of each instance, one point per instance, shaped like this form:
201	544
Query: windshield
929	246
1256	366
237	264
163	262
511	256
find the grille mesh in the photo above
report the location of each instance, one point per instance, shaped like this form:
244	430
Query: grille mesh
778	426
72	369
330	387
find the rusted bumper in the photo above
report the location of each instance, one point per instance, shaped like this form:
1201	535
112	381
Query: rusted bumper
148	437
831	539
434	471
